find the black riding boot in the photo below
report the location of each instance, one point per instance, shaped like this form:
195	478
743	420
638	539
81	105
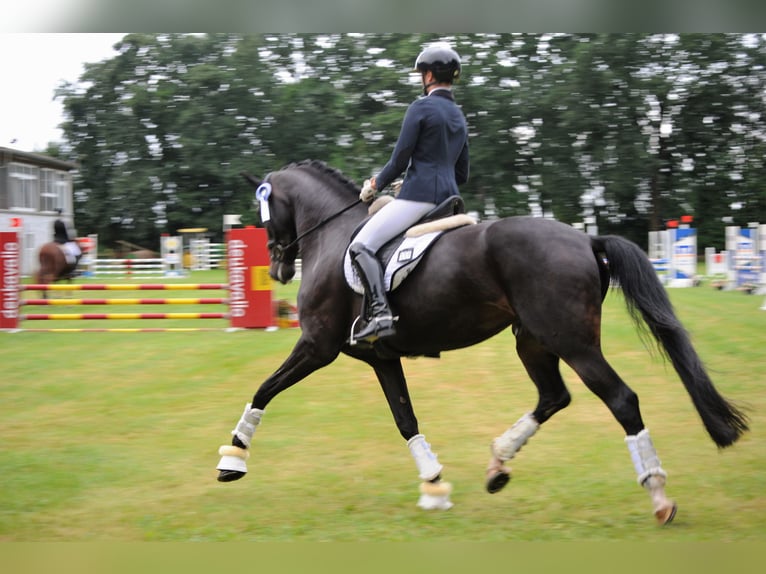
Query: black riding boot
381	324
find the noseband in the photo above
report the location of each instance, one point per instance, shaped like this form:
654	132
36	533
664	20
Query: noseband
277	251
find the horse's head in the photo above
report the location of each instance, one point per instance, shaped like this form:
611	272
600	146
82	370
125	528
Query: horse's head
297	202
279	222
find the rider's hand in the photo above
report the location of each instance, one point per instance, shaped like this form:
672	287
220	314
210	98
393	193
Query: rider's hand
368	190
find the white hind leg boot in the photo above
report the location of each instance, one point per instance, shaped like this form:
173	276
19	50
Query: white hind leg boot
433	495
234	457
505	448
510	442
650	474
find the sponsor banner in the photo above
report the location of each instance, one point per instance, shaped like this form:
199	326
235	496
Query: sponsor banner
10	277
746	261
249	282
685	253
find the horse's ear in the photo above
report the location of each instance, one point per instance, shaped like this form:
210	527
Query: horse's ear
254	181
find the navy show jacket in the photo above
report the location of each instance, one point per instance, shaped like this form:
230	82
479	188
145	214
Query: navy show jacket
432	147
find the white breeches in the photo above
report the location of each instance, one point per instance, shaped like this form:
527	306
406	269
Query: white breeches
393	218
71	251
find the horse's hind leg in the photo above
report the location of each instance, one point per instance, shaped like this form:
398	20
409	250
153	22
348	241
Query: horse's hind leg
600	378
543	368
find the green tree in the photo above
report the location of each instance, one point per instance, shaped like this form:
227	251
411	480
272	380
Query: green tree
629	129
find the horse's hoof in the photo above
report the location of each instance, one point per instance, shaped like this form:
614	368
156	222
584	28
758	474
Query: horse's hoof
666	514
435	496
497	481
230	475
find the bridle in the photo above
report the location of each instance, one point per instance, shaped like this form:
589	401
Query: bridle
277	249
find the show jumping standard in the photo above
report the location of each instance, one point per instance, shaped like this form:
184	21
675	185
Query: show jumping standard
544	279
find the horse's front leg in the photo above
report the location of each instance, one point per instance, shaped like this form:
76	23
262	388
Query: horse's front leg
305	358
434	493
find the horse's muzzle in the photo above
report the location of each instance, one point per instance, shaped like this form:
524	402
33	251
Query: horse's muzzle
282	271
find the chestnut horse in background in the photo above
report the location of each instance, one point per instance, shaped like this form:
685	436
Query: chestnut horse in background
53	266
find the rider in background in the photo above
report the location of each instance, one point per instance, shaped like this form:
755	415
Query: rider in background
71	249
433	148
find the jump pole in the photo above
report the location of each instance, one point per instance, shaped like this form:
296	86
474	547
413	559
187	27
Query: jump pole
249	301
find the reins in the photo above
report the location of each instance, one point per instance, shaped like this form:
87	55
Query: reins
295	241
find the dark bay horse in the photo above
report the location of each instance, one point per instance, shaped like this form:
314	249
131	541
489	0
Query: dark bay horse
544	279
53	265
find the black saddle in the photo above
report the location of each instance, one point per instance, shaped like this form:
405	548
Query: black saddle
453	205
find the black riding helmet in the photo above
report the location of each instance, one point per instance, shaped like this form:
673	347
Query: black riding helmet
442	61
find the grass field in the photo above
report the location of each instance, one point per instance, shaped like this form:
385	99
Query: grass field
114	437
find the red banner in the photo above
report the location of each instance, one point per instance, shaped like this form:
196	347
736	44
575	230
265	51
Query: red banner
10	278
249	281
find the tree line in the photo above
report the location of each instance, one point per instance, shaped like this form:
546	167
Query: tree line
626	131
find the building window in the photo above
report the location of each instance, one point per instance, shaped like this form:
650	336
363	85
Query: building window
54	190
24	186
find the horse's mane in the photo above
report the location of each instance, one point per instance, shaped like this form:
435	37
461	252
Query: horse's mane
327	171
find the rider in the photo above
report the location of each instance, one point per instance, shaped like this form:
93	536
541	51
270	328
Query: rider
71	249
433	148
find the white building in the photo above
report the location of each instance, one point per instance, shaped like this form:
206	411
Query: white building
32	188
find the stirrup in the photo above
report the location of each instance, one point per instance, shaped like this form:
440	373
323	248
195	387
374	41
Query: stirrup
376	328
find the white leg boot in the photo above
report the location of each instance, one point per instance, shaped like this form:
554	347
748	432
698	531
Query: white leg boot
433	495
650	474
233	457
505	447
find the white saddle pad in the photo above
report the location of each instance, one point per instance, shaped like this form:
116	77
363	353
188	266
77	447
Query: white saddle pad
402	262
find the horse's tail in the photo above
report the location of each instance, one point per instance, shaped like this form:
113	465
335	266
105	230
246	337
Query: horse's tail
647	299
